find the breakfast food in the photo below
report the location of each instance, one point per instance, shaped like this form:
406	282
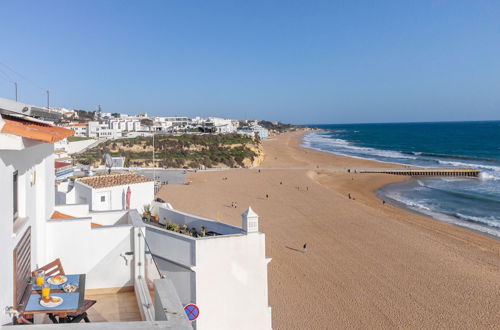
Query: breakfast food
47	299
58	279
70	288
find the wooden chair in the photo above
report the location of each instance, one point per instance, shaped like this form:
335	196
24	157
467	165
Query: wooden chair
55	268
51	269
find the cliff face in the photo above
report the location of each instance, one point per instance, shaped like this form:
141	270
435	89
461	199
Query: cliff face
185	151
257	159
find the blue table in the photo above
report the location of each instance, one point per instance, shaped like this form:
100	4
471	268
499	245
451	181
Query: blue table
72	279
72	301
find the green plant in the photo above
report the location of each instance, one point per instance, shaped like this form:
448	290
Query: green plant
146	210
203	231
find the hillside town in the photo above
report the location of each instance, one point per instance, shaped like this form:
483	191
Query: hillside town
107	125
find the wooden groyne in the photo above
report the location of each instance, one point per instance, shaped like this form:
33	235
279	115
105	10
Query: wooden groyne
436	171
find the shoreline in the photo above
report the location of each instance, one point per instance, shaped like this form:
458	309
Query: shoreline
379	193
368	265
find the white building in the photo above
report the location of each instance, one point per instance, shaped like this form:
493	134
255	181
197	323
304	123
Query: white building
27	192
254	130
223	273
109	192
81	129
108	247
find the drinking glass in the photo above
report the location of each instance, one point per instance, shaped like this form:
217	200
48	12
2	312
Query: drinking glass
40	278
45	291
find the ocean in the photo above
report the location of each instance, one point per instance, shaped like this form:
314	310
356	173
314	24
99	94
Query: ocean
473	203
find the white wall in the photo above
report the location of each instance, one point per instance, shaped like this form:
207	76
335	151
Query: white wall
110	218
226	277
74	210
115	197
231	283
92	251
35	166
181	218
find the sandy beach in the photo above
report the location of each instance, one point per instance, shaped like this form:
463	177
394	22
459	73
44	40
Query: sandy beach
368	265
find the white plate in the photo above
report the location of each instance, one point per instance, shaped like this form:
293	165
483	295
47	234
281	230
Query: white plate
50	281
51	303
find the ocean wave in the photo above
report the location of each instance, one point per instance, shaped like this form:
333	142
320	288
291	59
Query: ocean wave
436	155
464	195
490	221
489	226
325	142
494	171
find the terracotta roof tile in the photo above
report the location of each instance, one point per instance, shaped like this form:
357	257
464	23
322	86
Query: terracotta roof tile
35	130
111	180
59	215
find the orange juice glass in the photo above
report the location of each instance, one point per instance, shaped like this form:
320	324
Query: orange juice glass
45	291
40	278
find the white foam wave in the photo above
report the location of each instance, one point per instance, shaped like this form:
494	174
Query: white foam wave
487	176
485	225
324	142
462	164
490	221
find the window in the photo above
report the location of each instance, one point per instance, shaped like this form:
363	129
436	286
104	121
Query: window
14	194
103	198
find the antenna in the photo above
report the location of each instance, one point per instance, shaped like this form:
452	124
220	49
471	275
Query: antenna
48	99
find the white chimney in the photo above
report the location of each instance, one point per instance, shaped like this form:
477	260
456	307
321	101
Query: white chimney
250	221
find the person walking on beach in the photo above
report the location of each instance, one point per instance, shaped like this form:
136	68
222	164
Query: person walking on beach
349	195
304	248
267	196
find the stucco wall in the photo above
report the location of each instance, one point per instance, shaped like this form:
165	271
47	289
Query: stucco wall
35	167
92	251
115	197
231	283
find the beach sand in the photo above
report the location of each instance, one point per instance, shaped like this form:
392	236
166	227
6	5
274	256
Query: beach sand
368	265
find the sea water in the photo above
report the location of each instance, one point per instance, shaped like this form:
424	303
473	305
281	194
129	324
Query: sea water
469	202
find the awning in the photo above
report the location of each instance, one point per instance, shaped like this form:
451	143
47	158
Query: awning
32	129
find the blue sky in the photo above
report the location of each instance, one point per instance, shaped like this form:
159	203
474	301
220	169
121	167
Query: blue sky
294	61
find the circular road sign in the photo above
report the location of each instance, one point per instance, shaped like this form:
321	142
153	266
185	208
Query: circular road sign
192	311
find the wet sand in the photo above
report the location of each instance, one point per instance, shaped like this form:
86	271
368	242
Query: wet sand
368	265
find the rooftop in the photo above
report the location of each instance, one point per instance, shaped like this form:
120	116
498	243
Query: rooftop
103	181
30	128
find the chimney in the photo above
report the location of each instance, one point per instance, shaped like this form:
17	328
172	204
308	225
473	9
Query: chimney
250	221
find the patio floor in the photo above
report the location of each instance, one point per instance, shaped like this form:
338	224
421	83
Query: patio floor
117	307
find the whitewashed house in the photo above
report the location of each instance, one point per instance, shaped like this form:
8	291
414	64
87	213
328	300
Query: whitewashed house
224	273
108	247
109	192
81	129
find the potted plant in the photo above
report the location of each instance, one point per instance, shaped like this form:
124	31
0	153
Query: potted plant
146	214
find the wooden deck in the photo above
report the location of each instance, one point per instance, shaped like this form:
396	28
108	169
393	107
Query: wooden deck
114	306
111	306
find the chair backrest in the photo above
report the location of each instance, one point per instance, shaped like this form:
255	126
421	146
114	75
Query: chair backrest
52	268
22	269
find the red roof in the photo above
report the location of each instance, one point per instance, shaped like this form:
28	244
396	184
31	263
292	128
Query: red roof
61	164
25	127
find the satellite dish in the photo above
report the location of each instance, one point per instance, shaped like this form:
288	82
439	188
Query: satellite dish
108	161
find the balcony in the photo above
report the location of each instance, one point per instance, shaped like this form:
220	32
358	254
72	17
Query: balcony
121	274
